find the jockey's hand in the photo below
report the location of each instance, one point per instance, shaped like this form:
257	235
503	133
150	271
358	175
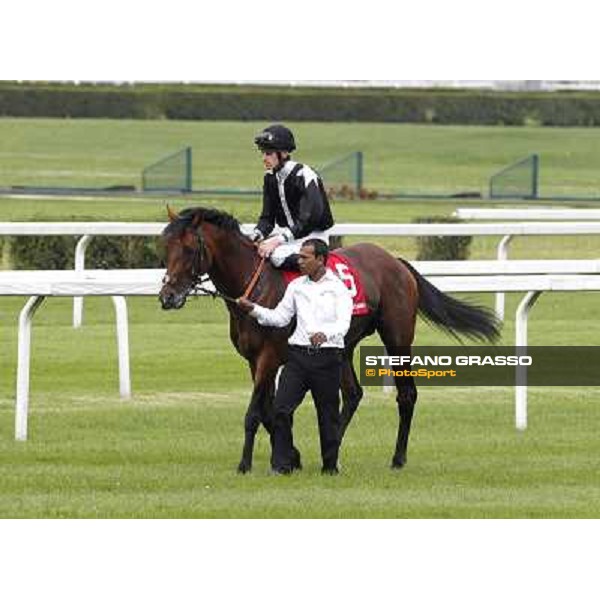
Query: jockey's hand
268	247
255	236
318	339
245	305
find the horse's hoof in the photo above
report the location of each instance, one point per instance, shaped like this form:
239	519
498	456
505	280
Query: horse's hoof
398	463
297	461
244	469
281	472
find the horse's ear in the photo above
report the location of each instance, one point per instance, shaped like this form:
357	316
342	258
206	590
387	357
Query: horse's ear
173	216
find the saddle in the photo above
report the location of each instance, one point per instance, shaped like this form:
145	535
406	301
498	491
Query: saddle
345	270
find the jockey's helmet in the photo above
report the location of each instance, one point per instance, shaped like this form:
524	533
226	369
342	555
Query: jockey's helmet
276	138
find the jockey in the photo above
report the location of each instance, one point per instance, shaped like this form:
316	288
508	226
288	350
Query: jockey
294	198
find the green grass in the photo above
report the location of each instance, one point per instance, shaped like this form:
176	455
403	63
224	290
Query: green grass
172	451
408	158
164	456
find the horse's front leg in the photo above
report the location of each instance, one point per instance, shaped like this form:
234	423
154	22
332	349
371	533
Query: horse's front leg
252	422
260	408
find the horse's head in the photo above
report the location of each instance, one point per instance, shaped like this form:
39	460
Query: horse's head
202	241
186	259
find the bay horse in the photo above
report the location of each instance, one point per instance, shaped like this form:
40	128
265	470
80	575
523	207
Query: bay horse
203	242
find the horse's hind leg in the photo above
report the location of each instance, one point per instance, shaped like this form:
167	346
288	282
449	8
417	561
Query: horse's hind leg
407	399
352	392
406	396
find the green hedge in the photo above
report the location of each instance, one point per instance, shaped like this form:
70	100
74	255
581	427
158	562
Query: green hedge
442	248
298	104
58	252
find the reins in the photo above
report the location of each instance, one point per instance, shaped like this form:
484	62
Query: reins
212	293
216	294
255	278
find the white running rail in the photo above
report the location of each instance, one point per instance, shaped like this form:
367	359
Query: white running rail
530	277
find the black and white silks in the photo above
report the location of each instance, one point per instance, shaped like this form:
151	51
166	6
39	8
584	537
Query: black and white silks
294	198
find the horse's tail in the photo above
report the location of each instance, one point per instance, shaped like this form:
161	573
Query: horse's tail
452	315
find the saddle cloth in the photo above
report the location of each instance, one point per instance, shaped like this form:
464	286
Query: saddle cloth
344	269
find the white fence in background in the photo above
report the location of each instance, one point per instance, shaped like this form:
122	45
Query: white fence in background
522	214
532	277
528	214
507	230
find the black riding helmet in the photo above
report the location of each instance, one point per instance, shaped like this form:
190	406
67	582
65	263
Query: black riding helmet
276	138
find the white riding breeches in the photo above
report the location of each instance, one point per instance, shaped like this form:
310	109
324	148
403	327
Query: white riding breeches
282	252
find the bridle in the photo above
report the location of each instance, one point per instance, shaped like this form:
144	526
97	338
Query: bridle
199	279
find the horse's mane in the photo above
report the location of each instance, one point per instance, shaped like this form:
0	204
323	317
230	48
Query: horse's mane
216	217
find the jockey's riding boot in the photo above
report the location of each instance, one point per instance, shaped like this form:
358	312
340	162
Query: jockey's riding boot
290	263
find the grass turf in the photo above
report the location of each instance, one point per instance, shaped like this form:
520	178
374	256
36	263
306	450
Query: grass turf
433	159
172	452
174	456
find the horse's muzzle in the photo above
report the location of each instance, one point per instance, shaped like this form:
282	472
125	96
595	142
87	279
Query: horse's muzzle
171	300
